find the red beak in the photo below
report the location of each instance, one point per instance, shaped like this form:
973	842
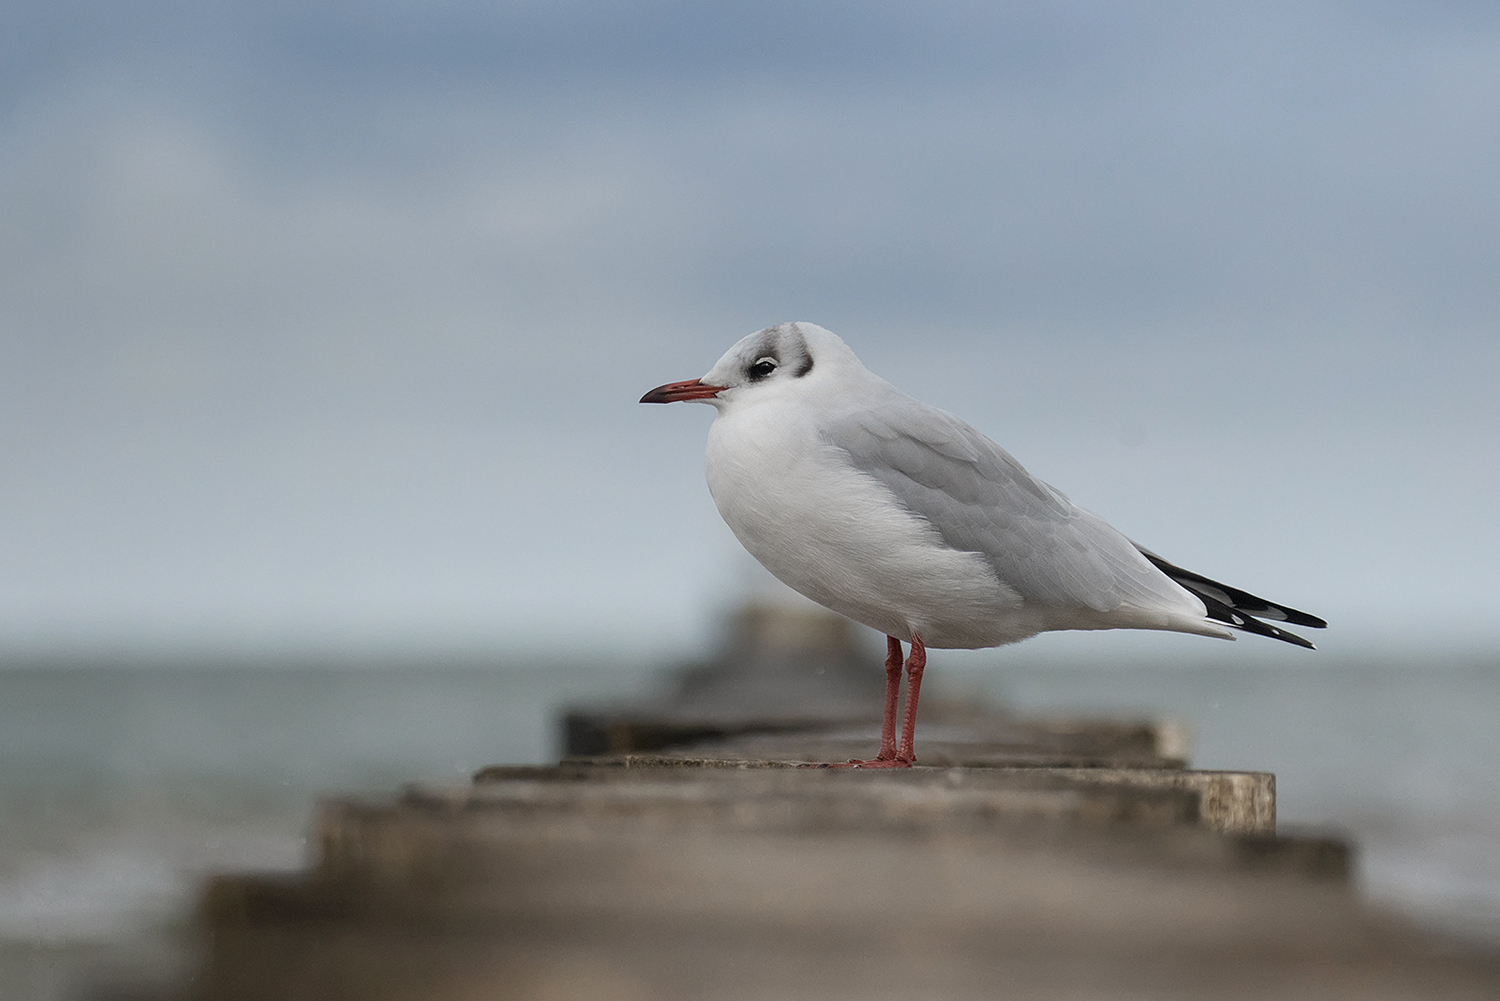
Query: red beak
672	392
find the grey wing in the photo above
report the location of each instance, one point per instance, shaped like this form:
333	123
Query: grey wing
980	499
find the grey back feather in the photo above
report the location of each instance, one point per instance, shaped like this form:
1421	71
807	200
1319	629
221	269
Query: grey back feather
980	499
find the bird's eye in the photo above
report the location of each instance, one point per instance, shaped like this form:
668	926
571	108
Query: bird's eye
762	368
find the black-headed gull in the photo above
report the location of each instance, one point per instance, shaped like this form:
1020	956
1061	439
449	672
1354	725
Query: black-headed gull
904	518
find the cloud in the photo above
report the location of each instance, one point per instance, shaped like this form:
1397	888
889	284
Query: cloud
327	321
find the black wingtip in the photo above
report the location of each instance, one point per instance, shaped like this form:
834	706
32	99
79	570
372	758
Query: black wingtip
1237	619
1240	609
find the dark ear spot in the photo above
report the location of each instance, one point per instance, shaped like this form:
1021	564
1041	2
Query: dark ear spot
805	367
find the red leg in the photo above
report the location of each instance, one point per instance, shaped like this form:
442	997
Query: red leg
889	757
892	698
915	665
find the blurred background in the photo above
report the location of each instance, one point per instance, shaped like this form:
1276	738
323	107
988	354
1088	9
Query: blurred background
323	326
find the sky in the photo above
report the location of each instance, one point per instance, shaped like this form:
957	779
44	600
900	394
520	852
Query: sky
324	324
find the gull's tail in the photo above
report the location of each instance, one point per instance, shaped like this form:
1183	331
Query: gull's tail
1238	609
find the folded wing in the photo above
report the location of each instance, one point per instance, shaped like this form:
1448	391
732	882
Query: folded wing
1050	551
980	499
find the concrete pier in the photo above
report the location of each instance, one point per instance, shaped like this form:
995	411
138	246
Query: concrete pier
636	878
683	850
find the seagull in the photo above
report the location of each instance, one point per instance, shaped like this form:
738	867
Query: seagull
903	517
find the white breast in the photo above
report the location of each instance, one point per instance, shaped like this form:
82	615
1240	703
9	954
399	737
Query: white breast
839	536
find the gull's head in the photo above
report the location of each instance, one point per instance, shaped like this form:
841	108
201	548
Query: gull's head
776	361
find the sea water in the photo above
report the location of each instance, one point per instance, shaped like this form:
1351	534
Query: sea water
123	785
